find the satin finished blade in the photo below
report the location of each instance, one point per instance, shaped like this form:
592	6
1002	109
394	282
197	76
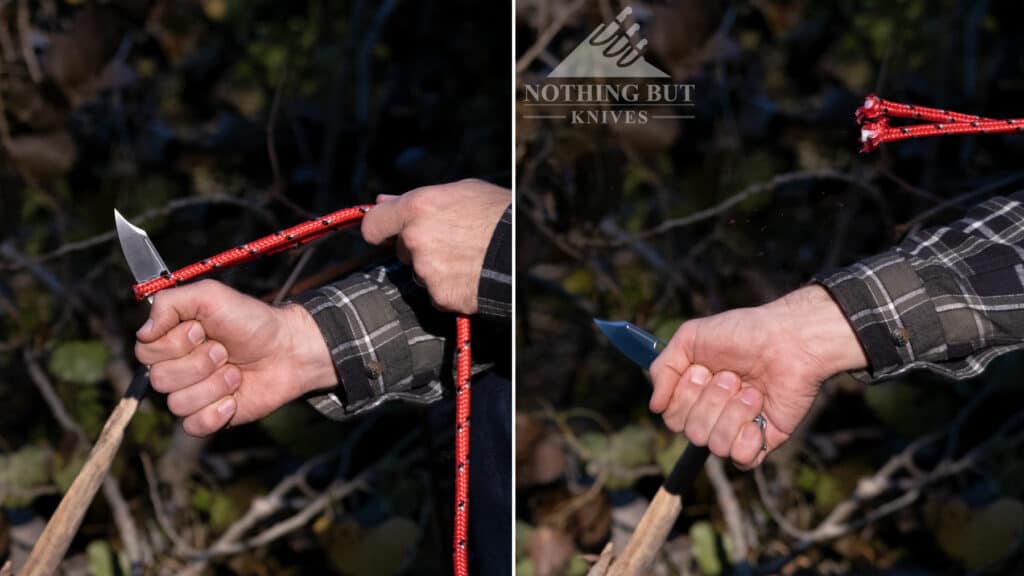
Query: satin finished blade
143	259
638	345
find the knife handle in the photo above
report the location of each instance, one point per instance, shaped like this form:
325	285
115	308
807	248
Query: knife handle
271	244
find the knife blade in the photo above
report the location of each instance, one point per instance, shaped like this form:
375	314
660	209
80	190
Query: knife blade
143	259
639	346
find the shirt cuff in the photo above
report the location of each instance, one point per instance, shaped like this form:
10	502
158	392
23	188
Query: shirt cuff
380	348
494	293
889	308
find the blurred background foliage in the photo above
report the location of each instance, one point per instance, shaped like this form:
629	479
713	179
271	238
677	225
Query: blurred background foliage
211	122
668	220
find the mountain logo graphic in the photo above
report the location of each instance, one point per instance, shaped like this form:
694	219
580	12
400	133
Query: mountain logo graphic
609	52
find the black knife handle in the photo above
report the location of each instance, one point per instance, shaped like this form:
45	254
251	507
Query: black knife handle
683	474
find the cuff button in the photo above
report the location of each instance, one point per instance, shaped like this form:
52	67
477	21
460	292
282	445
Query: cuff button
374	369
900	336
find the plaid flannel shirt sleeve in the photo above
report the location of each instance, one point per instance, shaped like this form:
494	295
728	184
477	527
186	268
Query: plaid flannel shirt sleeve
494	294
386	340
948	300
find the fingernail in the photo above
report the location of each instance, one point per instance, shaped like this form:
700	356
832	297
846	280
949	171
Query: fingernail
232	376
196	334
699	375
145	328
749	396
724	381
218	354
226	406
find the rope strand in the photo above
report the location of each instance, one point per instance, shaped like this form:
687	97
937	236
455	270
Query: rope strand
876	130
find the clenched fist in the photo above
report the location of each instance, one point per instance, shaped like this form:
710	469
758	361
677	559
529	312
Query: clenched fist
718	373
443	231
226	358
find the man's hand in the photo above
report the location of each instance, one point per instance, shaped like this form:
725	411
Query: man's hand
223	357
770	359
443	231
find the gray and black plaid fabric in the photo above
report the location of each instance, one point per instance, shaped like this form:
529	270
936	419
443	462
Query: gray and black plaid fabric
389	343
948	300
381	348
494	294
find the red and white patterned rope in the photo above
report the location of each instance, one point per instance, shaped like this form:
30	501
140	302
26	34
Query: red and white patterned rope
876	129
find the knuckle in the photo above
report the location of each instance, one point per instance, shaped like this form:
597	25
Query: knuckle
697	433
719	444
141	352
157	379
674	424
412	238
175	403
415	202
191	427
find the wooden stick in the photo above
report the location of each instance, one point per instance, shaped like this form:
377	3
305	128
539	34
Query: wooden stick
49	550
657	522
649	536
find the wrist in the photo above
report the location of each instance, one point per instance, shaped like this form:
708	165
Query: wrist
822	330
311	360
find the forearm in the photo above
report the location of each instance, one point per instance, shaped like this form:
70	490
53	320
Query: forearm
821	328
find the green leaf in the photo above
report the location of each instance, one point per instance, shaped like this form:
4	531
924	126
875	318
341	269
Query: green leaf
67	472
23	470
523	532
629	448
385	549
578	566
79	361
668	455
978	537
101	558
911	410
702	538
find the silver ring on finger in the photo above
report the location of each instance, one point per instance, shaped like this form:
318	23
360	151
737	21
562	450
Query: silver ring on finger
762	423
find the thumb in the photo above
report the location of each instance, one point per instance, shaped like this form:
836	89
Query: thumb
174	306
384	221
669	366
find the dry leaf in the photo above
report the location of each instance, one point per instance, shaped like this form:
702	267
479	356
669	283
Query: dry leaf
551	550
43	155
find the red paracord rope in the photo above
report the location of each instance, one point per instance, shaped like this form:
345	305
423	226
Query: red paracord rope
463	369
307	232
874	117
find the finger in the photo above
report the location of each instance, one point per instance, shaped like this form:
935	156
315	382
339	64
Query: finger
384	198
210	419
747	447
223	382
685	393
739	410
178	342
772	436
669	366
173	375
175	305
383	221
709	406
